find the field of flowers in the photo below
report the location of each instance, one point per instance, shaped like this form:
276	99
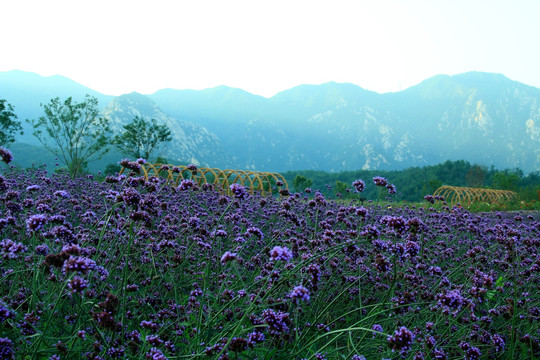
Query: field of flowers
136	269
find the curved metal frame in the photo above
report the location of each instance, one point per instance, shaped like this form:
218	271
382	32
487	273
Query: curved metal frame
455	194
253	180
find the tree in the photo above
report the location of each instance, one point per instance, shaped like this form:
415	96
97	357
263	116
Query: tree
507	179
9	126
141	137
476	176
301	182
73	131
341	188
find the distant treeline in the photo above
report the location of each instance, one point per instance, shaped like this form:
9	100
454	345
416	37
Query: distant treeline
414	183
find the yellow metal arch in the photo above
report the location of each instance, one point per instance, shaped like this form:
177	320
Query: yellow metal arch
464	195
221	179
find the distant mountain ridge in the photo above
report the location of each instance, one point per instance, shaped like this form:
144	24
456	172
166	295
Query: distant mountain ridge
483	118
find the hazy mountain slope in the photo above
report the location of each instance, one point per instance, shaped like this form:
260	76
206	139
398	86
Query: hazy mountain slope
480	117
191	142
26	91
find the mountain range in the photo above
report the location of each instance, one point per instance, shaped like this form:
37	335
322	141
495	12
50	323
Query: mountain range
483	118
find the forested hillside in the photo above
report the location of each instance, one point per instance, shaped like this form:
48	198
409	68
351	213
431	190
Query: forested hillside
414	183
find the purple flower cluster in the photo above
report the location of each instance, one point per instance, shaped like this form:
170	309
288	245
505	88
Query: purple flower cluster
281	253
187	184
36	222
238	191
79	264
6	349
359	185
10	248
228	256
299	292
6	155
131	165
278	322
380	181
192	168
402	340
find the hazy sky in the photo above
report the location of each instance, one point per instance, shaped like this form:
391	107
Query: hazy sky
117	46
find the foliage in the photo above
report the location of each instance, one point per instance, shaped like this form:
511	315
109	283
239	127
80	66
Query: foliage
475	176
342	189
414	183
9	126
163	160
507	179
137	269
73	131
141	137
112	169
301	183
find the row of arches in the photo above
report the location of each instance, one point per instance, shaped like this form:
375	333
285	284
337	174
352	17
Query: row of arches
463	195
265	182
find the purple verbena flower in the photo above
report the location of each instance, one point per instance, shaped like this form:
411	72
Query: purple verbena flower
186	184
3	183
471	352
319	356
6	155
238	191
238	344
130	196
192	168
132	165
278	322
499	342
359	185
255	231
5	313
358	357
398	223
155	354
10	248
78	284
61	193
79	264
36	222
255	337
228	256
300	292
430	199
402	340
376	327
380	181
114	352
451	299
6	349
281	253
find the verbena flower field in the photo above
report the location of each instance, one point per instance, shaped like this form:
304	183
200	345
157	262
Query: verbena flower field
131	268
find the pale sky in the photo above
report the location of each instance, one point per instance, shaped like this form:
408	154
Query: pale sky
117	46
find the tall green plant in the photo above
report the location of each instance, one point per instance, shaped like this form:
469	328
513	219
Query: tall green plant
75	132
9	126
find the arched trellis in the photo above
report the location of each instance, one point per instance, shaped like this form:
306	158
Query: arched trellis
463	195
265	182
